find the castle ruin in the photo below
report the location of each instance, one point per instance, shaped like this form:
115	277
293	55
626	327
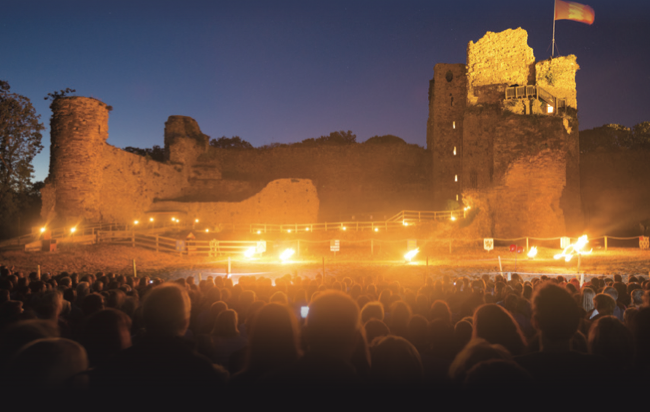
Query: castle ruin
502	134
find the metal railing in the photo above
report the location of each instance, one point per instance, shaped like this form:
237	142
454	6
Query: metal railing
535	92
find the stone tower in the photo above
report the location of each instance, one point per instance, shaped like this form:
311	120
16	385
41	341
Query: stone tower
511	141
79	128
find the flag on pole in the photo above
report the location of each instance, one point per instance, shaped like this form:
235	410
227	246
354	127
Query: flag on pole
568	10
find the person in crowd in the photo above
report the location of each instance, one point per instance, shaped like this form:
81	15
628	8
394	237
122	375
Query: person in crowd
162	359
497	326
556	317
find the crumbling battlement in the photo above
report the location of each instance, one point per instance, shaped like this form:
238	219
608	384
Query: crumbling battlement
496	61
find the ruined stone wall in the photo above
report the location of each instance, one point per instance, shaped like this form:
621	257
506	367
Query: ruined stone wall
79	128
445	131
131	183
281	201
615	191
362	179
496	61
558	77
184	142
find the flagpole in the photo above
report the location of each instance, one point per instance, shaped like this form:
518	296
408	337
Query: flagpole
553	44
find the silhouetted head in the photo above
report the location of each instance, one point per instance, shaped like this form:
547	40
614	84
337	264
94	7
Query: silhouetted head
332	324
166	310
440	310
49	364
604	304
226	325
274	338
555	314
374	329
104	334
372	310
496	325
476	351
395	360
609	338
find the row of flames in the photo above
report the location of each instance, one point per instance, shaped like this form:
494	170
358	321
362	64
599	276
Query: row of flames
568	253
574	249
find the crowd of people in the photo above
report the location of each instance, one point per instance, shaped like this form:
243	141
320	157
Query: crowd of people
93	333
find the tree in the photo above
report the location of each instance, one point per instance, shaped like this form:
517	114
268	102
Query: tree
385	139
156	153
20	142
234	142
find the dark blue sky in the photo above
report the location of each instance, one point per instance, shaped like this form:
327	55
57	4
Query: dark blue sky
283	71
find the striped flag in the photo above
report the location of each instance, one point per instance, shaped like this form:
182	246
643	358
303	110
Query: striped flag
568	10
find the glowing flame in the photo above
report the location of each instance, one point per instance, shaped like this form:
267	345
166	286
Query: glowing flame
250	252
42	229
72	230
405	223
376	229
574	249
135	222
532	252
411	254
286	255
306	229
453	218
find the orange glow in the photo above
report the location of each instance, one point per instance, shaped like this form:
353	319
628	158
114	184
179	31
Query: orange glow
42	229
532	252
207	230
135	222
411	254
574	249
344	228
72	230
250	252
259	231
307	229
151	219
196	220
376	229
284	257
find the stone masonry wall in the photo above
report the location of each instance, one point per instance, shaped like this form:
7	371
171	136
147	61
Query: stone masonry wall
79	128
558	77
281	201
131	183
361	179
498	60
445	130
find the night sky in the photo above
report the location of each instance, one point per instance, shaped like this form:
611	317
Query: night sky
283	71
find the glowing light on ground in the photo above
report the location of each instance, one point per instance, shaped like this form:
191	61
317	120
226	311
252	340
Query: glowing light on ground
306	229
411	254
574	249
72	230
151	219
259	231
42	229
135	222
532	252
405	223
196	220
376	229
286	255
344	228
453	218
250	252
207	230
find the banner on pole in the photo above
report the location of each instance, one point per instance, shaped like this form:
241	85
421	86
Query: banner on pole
488	244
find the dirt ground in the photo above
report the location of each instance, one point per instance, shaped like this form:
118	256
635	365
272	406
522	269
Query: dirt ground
462	262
